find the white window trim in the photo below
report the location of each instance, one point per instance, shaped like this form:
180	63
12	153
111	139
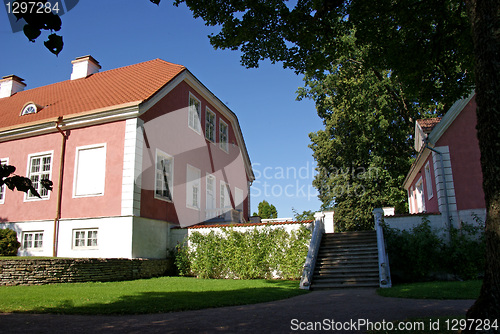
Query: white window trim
224	145
191	184
198	131
27	198
162	198
4	161
428	180
75	176
32	248
209	111
86	230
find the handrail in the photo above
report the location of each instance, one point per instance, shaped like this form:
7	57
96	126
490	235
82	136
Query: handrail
312	254
383	258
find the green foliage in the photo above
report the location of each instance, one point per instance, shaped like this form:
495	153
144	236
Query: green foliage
421	252
267	210
365	150
305	215
8	242
257	253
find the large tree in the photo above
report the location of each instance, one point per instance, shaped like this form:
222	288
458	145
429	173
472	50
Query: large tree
365	150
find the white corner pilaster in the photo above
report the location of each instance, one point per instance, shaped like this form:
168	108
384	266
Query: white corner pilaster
132	168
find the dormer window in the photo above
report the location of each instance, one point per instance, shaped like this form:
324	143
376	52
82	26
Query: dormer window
30	108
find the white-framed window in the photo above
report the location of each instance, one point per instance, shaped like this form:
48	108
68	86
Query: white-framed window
194	113
39	168
85	238
3	187
210	120
193	189
164	176
223	135
238	198
90	171
33	240
211	208
225	200
419	195
428	180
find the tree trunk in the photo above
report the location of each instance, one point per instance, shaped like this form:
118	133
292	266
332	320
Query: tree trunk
485	20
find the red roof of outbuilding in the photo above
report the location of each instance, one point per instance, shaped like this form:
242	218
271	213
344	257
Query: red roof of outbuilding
427	124
134	83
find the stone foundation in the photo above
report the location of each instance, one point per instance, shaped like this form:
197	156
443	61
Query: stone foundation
62	270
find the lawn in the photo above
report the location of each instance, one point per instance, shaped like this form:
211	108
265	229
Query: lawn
434	290
155	295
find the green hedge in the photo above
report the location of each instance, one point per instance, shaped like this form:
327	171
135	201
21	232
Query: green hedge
257	253
423	253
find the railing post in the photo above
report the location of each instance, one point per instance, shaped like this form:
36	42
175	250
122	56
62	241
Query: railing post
312	254
383	259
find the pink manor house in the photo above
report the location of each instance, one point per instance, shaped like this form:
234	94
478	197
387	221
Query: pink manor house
445	181
133	152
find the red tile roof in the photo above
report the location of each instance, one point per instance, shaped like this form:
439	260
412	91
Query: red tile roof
427	124
202	225
134	83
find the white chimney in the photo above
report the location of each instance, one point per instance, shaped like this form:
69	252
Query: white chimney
10	85
84	66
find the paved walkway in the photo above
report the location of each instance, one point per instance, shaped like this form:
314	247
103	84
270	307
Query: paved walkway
353	306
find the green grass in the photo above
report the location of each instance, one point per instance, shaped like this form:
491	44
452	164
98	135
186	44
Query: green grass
434	290
155	295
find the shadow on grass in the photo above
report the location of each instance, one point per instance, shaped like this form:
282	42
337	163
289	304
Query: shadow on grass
162	302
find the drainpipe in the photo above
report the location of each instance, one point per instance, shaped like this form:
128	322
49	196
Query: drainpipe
448	222
59	186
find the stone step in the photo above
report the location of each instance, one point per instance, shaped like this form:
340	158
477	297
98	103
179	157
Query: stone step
353	251
325	286
346	270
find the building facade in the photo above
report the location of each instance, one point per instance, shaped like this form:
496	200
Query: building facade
132	152
446	177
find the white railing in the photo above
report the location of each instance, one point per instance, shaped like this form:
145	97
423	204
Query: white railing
312	254
383	259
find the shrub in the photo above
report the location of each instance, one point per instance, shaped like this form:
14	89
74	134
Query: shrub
420	253
8	242
258	253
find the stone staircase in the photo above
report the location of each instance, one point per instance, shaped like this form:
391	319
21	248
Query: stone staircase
347	260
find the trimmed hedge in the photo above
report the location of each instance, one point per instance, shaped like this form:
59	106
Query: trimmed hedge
258	253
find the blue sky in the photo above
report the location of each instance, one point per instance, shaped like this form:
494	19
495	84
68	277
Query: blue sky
124	32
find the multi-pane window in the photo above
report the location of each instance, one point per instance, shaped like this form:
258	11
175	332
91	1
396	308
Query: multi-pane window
211	211
210	125
223	135
85	238
164	179
39	169
2	188
193	187
194	114
32	240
